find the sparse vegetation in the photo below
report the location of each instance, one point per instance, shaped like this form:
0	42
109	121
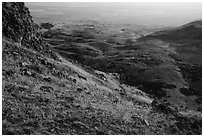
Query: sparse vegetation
88	80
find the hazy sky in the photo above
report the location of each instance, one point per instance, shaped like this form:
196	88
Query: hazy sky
168	14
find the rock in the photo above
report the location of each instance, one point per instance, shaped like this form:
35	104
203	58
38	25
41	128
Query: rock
24	64
146	122
76	105
88	92
46	88
79	125
48	79
79	89
15	53
82	77
74	80
29	73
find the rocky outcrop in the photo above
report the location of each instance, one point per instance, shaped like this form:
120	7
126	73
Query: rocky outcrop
17	25
17	21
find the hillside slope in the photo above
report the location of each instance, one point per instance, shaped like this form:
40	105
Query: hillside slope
44	93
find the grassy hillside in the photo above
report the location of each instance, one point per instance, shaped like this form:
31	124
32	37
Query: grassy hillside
79	83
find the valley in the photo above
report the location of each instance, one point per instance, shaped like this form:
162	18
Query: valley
162	68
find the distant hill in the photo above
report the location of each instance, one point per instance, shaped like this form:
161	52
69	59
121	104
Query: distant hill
185	44
187	32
